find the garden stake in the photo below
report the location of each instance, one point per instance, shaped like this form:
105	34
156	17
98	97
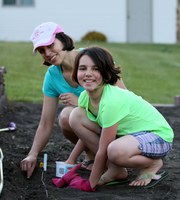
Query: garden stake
43	166
11	127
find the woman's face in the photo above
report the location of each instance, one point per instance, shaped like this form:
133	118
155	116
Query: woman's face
53	53
88	74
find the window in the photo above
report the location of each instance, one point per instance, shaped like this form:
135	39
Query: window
9	2
18	2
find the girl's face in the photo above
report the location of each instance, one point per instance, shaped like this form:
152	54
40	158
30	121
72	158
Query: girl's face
88	74
53	53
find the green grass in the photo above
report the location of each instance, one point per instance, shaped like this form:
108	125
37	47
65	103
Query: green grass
152	71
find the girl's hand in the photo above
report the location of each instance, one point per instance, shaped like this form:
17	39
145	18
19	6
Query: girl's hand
68	99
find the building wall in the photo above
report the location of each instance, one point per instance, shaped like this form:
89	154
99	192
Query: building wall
178	22
164	21
79	17
76	17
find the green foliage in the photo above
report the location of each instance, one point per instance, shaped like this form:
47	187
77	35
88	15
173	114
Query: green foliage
151	71
94	36
24	77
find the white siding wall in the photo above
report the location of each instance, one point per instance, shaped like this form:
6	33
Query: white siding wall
76	17
164	21
80	16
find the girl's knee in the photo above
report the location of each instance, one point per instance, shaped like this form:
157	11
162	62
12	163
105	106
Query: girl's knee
112	152
115	153
76	116
63	117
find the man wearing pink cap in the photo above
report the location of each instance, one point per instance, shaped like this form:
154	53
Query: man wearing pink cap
58	52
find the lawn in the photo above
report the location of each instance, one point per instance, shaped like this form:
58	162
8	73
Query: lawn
150	70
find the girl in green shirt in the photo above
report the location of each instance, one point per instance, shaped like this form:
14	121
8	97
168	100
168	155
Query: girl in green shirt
132	133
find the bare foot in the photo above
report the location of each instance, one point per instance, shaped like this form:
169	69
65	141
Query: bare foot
113	173
147	174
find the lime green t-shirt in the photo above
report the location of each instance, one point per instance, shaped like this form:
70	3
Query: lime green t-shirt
131	112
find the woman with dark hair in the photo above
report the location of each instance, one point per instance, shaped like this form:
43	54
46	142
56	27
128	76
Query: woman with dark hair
58	52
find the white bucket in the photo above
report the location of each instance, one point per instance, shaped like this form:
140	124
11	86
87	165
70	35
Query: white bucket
62	168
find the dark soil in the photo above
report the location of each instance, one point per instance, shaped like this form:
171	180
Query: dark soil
16	145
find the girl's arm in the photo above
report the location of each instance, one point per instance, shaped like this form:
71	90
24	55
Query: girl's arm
78	149
107	136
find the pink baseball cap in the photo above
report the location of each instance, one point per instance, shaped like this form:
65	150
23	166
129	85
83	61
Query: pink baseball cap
44	34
